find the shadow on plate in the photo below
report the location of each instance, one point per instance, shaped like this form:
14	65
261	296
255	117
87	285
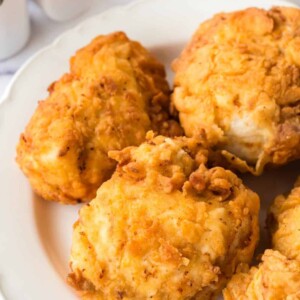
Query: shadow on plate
166	54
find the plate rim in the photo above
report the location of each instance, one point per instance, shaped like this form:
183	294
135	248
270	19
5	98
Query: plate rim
8	93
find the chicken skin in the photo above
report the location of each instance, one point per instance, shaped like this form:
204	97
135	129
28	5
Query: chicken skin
115	92
237	83
278	276
163	227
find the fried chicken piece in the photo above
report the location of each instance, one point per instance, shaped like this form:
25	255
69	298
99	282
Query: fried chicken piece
238	84
161	228
115	92
285	222
276	278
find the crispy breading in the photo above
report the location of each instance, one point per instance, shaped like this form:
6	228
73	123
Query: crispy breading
238	84
278	275
115	92
163	228
276	278
285	223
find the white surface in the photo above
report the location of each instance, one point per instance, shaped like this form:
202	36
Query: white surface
14	27
35	235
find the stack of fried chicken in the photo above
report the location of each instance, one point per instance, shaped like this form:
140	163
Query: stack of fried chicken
167	216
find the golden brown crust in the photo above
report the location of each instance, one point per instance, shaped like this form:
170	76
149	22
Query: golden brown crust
285	217
276	278
115	92
238	82
163	228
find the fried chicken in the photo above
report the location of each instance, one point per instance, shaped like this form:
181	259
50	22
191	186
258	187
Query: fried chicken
285	222
278	276
237	83
115	92
162	227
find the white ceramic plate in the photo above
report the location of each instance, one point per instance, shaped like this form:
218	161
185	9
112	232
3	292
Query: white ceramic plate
35	235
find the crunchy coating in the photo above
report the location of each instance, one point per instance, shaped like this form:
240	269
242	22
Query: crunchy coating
276	278
285	221
115	92
161	228
238	84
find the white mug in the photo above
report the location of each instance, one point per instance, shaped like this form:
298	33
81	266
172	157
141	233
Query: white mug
62	10
14	26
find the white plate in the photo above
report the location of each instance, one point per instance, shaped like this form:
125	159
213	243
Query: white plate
35	235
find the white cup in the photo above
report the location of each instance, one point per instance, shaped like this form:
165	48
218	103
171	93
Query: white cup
62	10
14	26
